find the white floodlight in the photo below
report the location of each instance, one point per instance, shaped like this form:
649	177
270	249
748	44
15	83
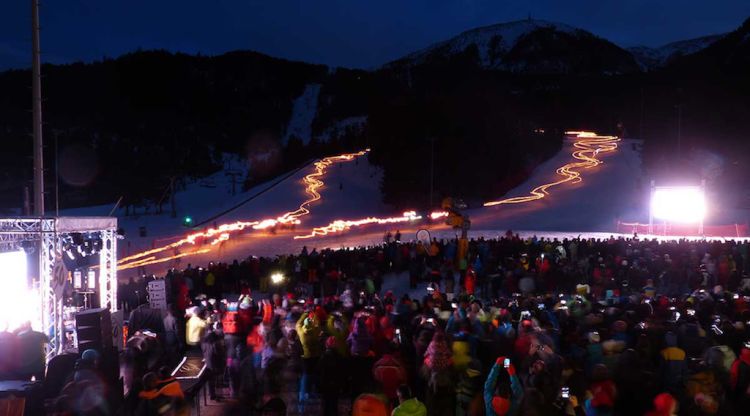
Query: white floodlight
19	301
678	204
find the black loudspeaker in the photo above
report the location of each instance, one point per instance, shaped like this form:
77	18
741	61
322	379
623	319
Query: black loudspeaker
94	329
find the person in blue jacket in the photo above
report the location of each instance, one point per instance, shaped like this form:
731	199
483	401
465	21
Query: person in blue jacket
501	399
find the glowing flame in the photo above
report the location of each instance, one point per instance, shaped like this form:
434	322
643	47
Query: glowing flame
589	145
343	225
152	260
438	214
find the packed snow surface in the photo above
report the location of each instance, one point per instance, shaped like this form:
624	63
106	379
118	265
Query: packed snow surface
304	109
615	189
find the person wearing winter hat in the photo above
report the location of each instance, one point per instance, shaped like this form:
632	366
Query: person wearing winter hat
389	373
336	326
673	367
664	405
438	374
360	340
369	405
309	332
502	397
739	379
594	352
438	356
603	392
360	346
333	377
469	389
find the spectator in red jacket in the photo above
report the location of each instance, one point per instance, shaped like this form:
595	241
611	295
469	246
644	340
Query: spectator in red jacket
739	379
389	373
664	405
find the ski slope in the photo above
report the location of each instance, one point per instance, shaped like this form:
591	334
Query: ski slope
612	189
351	191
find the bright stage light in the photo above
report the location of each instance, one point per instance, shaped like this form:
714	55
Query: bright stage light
18	305
277	278
679	204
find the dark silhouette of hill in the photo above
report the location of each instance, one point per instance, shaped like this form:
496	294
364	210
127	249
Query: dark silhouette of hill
493	103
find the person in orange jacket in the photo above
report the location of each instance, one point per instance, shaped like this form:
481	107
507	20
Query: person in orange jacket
168	385
369	405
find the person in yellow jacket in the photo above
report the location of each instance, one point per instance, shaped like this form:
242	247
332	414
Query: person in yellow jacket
408	405
308	329
461	354
195	328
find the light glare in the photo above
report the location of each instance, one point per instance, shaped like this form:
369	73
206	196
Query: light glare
277	278
18	304
679	204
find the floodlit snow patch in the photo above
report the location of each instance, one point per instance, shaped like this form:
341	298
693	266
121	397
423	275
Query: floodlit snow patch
303	113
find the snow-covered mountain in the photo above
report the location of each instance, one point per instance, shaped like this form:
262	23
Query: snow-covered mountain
491	41
728	55
651	58
536	46
304	109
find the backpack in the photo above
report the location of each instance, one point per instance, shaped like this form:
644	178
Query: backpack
231	323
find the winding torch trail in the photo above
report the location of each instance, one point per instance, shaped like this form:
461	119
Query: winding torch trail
588	145
222	233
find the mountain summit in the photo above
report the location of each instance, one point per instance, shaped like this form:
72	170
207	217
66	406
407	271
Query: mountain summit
652	58
534	46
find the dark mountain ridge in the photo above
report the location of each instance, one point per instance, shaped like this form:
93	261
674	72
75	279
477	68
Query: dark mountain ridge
129	126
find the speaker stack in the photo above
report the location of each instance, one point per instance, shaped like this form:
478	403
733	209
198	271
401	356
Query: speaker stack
94	329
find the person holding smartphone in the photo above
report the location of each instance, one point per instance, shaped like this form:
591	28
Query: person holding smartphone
502	390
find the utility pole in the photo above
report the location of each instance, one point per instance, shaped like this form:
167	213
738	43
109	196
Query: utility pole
57	177
172	202
432	169
36	92
679	130
640	127
234	175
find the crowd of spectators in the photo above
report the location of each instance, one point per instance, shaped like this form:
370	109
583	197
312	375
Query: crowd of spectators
514	327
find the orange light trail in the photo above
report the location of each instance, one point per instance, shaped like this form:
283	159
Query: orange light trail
438	214
588	145
152	260
312	185
343	225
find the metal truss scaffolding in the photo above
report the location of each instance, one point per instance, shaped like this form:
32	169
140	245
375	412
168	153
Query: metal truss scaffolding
46	235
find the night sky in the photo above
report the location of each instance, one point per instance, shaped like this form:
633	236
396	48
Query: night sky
353	33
